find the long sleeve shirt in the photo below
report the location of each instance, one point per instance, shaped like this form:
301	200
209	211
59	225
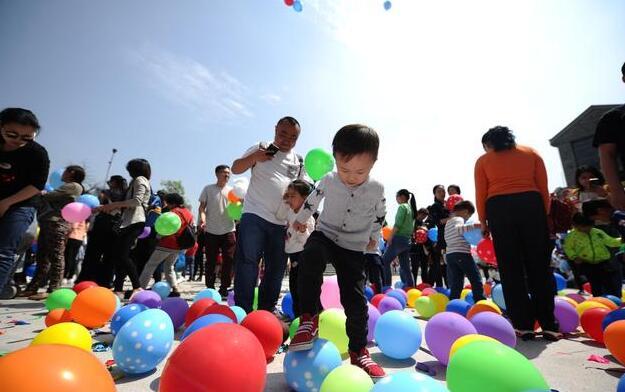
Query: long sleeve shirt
454	235
591	247
351	217
139	195
517	170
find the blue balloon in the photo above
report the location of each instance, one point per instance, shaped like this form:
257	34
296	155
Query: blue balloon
387	5
408	381
162	288
459	306
615	315
31	269
208	293
306	370
143	342
239	312
443	290
56	179
398	334
560	281
398	295
369	293
469	298
385	289
297	6
614	299
433	234
399	284
124	314
90	200
205	321
287	306
181	263
473	237
497	295
621	385
48	188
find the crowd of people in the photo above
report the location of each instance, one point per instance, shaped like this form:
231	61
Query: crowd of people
580	228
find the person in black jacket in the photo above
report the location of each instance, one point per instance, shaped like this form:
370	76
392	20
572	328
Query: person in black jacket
437	217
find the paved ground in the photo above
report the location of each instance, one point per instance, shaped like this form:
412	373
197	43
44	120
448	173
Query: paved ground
564	364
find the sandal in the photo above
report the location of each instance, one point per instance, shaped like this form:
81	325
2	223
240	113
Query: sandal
525	334
552	336
38	296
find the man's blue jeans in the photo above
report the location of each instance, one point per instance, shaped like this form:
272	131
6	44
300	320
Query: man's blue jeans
13	225
258	238
399	248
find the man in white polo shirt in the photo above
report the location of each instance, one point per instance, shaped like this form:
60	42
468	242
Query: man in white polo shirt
262	228
218	229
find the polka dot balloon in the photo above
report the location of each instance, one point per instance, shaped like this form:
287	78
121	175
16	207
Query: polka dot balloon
306	370
143	341
124	314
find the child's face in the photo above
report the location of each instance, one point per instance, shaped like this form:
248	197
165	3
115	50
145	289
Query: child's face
355	171
67	176
452	191
293	199
440	194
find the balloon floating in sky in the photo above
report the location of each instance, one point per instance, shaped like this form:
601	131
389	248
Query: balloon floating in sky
387	5
297	6
289	3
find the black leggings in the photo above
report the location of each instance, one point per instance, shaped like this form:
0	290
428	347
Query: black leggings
124	265
71	253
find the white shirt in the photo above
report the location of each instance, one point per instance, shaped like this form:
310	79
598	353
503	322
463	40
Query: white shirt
296	240
217	220
454	235
268	183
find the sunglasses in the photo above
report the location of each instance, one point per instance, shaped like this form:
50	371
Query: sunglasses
16	136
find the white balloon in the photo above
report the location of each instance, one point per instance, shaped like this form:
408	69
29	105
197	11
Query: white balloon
239	187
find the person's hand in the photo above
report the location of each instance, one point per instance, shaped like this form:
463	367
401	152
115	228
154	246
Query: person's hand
485	229
617	199
372	244
261	155
103	208
202	225
4	207
599	190
299	227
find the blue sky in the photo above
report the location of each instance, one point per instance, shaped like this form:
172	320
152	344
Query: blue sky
192	84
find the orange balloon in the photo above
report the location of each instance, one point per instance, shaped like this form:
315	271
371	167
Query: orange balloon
56	316
604	301
386	232
614	339
53	367
93	307
483	306
232	197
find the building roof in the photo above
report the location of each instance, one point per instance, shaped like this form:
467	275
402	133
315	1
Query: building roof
584	125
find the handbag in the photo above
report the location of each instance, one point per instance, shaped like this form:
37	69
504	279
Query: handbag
187	238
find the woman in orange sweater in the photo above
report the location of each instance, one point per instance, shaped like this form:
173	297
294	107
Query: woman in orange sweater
513	202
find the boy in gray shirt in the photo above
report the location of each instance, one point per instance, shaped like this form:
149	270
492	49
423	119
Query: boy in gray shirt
353	213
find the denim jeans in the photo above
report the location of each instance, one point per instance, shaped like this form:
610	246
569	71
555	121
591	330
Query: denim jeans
13	225
399	248
259	238
460	265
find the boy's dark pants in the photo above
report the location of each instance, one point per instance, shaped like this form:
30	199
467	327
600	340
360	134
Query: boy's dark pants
375	270
350	271
603	277
293	277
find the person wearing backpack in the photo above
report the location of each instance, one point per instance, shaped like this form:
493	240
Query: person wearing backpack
169	247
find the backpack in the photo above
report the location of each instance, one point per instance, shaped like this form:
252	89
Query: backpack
561	215
187	238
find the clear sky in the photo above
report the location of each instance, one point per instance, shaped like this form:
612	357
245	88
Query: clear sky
192	84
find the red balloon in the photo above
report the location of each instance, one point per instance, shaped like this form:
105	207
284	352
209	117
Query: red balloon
586	287
452	201
197	309
421	236
422	286
591	322
221	309
267	329
375	300
486	251
222	357
85	284
289	2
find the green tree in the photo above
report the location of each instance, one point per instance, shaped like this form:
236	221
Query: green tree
172	186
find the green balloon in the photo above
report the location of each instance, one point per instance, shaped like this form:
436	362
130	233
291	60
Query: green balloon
167	224
332	328
492	367
347	378
425	306
293	328
255	304
318	163
234	210
61	298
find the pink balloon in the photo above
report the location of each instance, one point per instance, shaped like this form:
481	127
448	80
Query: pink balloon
428	291
330	293
76	212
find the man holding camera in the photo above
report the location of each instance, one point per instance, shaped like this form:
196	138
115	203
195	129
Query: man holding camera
262	228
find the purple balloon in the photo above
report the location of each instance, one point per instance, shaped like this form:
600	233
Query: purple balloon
230	299
176	308
389	303
374	315
145	233
576	297
149	298
496	326
442	331
567	316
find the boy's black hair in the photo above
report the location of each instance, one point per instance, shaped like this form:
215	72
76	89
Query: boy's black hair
19	116
221	167
423	211
76	172
290	120
456	187
591	208
302	187
139	167
174	199
499	139
436	187
596	173
356	139
465	205
580	219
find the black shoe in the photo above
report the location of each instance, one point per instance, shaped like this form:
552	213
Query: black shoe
174	293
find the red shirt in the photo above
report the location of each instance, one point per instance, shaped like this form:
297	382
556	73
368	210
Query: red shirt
171	242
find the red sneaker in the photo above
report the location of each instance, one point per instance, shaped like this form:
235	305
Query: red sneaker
363	360
306	333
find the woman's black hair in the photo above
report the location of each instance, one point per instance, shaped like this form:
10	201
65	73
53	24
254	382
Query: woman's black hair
19	116
596	173
139	167
77	173
499	139
302	187
356	139
454	186
437	187
174	199
410	196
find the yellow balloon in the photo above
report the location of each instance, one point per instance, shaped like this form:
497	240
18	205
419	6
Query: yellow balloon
464	293
623	295
467	339
70	334
584	306
440	300
412	294
425	306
